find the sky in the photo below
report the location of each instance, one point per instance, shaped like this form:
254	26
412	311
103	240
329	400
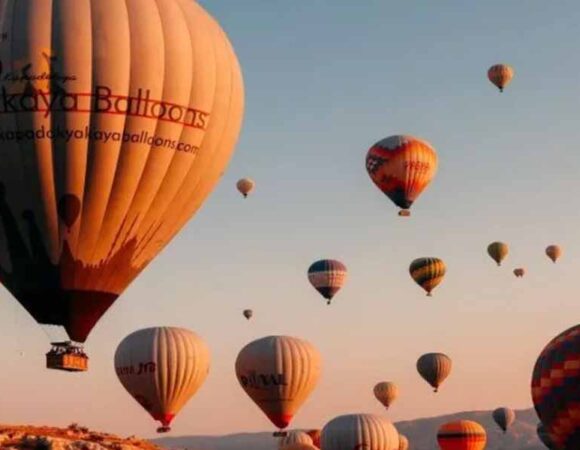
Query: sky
324	80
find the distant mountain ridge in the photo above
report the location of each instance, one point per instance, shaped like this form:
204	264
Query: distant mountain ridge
421	434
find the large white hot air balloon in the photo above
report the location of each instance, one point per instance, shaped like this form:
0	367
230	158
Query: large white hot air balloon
117	119
360	432
162	368
278	373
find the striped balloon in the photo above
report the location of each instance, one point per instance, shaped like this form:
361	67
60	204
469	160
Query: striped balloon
162	368
504	417
402	167
278	373
434	368
500	75
360	432
403	442
294	437
461	435
427	273
498	251
556	388
327	276
386	392
315	435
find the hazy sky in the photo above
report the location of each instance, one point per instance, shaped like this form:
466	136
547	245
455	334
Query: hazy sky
324	80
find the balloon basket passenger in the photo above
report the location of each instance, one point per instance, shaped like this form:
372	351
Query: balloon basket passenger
67	356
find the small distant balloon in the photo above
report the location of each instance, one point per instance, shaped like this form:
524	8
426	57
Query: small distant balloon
461	435
403	442
519	272
504	417
500	75
427	273
245	186
328	277
402	167
498	251
248	313
434	368
386	392
554	252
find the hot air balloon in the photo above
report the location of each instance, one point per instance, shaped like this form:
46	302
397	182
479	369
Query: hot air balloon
545	437
299	446
427	273
359	432
402	167
403	442
461	435
555	392
294	437
519	272
245	186
120	118
327	276
386	392
554	252
278	373
315	435
162	368
248	313
504	417
500	75
434	368
498	251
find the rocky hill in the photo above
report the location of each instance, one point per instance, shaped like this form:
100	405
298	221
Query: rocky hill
72	438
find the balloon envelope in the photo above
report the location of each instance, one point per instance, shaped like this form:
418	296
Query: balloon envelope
519	272
428	273
555	388
403	442
122	117
248	313
504	417
278	373
500	75
386	392
162	368
554	252
315	435
461	435
402	167
434	368
359	432
294	437
498	251
328	277
245	186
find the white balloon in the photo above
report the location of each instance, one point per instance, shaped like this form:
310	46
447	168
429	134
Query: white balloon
359	432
